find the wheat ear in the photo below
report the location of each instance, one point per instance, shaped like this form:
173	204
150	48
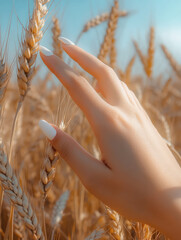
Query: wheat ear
49	166
100	19
56	31
113	53
128	70
96	234
17	196
151	49
141	56
176	67
48	172
3	82
58	211
112	24
115	228
27	58
59	208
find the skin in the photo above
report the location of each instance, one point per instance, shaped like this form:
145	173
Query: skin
137	175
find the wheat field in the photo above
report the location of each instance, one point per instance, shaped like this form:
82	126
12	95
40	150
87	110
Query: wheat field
40	196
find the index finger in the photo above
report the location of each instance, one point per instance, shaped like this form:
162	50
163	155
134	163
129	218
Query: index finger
80	90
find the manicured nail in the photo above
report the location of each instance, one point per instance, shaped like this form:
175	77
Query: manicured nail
66	41
47	129
45	51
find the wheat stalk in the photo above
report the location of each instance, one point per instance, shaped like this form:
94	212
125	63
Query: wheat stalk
112	24
27	58
17	196
176	67
56	31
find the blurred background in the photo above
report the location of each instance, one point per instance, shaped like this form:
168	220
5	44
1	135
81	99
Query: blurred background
164	15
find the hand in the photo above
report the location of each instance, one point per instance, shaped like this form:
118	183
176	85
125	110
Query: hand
137	173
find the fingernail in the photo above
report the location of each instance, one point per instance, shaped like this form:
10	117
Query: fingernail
47	129
45	51
66	41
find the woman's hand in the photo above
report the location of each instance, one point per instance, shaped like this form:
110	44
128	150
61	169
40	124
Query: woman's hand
138	176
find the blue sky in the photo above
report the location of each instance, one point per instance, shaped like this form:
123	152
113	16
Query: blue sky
73	14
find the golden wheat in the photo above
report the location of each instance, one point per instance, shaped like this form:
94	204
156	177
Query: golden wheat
17	196
100	19
36	161
176	67
27	58
112	24
56	31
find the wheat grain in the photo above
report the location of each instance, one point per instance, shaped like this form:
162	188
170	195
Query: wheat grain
18	226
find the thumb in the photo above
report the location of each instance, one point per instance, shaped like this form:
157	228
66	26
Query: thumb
91	171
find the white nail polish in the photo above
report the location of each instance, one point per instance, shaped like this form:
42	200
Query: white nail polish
45	51
66	41
47	129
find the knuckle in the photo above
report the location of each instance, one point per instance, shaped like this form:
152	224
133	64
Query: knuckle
111	116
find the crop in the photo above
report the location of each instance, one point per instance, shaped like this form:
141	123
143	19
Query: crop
40	196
